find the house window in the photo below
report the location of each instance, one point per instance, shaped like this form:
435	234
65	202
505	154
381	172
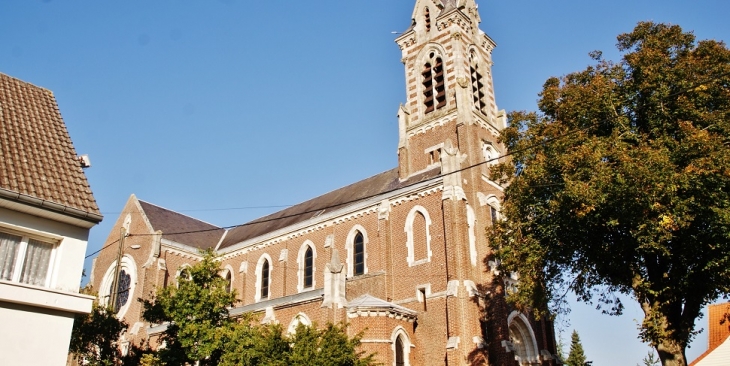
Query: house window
308	267
434	90
359	255
265	280
25	260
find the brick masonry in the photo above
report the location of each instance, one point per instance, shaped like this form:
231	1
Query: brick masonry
426	253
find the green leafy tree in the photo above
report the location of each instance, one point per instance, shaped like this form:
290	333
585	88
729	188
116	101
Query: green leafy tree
196	314
267	346
621	185
576	357
329	346
95	337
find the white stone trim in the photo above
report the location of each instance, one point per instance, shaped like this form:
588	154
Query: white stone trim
409	236
350	248
407	344
526	335
471	221
300	318
229	269
259	266
301	263
129	266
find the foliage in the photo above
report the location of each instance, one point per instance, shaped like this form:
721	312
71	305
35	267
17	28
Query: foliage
95	337
622	185
650	360
267	346
199	329
196	314
576	357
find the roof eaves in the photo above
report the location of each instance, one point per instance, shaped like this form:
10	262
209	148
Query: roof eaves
50	206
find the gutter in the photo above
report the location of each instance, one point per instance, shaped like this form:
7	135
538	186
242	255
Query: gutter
50	206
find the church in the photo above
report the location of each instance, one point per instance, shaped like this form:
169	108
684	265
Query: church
401	256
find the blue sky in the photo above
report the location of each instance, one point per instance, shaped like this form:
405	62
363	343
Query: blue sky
213	107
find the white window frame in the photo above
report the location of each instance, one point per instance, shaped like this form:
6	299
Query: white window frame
130	267
25	237
407	344
301	263
409	236
350	248
259	267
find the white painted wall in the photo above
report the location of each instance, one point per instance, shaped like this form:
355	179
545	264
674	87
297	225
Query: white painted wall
31	336
36	322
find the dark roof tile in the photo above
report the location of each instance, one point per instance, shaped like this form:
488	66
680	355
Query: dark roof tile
182	229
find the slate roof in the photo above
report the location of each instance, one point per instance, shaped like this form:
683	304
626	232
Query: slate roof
37	157
182	229
335	200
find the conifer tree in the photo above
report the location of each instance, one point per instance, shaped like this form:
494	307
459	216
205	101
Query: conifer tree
576	357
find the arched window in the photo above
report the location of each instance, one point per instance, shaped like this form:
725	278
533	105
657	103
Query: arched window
306	259
125	283
308	268
229	281
359	254
418	236
434	90
265	280
523	340
356	245
401	346
399	352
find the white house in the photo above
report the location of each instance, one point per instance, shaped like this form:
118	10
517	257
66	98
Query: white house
46	211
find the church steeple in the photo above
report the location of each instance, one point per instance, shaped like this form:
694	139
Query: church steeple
448	63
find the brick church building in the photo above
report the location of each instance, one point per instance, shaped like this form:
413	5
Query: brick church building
401	255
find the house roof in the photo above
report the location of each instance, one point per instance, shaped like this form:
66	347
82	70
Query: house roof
37	157
715	357
332	201
182	229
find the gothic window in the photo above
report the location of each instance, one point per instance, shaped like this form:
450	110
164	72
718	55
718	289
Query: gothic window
477	84
308	268
434	89
265	280
418	236
229	281
358	256
399	352
400	345
523	340
124	284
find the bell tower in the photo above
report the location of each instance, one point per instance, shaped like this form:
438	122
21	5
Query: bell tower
450	94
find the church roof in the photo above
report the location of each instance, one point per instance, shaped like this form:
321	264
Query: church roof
182	229
343	197
368	305
37	157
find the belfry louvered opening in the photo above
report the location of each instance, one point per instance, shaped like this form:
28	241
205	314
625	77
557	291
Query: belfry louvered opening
477	86
434	88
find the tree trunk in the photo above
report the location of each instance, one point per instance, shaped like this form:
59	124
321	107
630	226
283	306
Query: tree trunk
671	354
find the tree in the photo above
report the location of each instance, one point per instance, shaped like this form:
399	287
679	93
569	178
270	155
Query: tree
199	329
196	314
95	337
576	357
621	185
